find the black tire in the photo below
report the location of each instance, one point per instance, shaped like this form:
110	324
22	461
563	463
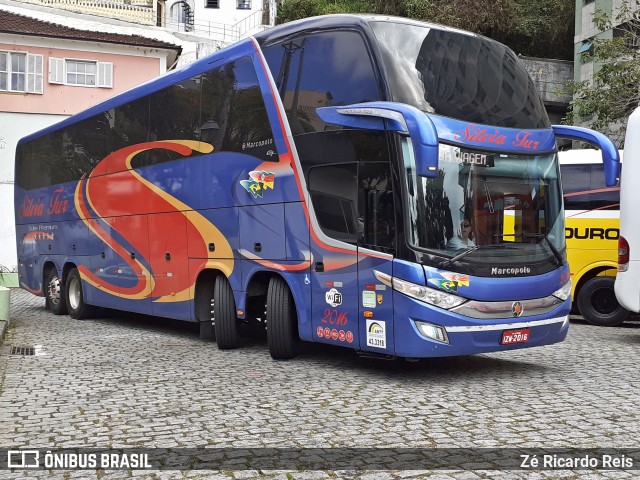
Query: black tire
227	326
204	311
74	295
54	293
282	331
598	304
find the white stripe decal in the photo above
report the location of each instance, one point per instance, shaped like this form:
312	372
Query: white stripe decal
505	326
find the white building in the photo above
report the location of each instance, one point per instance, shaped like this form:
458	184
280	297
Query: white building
225	21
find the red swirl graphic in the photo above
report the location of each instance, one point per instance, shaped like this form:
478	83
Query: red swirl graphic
105	200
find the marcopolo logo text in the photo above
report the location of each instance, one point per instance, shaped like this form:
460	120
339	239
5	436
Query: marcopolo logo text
510	271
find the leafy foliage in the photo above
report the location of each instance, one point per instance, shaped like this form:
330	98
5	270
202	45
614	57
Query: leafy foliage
610	97
540	28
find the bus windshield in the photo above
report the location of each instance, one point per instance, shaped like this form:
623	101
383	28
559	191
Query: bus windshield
509	206
458	75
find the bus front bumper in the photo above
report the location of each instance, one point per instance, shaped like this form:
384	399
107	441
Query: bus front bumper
469	336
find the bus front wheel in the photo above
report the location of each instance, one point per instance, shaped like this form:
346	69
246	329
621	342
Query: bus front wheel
227	328
54	292
76	305
205	313
598	304
281	320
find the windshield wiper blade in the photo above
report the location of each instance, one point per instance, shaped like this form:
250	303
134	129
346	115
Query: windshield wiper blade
553	249
450	261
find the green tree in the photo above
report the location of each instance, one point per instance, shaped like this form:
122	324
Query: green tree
539	28
606	101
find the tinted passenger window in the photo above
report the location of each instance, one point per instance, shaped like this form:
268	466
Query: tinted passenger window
348	174
85	145
321	70
234	117
129	124
584	188
333	190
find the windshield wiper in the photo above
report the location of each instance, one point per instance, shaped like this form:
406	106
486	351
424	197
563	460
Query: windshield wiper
447	263
543	236
553	249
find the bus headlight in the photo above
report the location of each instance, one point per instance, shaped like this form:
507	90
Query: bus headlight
434	332
429	295
563	292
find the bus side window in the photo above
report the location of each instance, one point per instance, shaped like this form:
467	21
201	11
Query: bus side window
575	185
333	194
584	188
601	197
175	115
129	124
234	117
320	70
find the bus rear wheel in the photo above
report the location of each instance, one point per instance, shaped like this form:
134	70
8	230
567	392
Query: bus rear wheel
54	292
598	304
227	327
281	320
76	305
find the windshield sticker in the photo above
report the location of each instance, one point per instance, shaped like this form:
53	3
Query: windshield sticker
259	182
449	281
379	298
461	280
369	299
376	335
446	285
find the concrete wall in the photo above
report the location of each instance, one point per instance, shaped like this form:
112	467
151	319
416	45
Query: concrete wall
550	76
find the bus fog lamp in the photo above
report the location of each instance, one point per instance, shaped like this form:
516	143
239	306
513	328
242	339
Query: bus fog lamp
434	332
563	292
429	295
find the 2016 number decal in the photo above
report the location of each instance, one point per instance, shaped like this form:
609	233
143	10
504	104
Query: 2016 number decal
333	317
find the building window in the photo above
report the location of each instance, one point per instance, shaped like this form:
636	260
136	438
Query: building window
244	4
586	51
83	73
20	72
212	4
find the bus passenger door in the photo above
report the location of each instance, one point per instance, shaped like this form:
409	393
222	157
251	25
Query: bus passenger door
376	245
334	273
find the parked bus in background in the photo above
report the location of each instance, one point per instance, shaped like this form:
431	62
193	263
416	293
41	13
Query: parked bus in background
627	285
341	179
592	216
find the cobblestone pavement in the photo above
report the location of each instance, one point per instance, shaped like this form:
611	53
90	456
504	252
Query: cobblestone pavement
132	381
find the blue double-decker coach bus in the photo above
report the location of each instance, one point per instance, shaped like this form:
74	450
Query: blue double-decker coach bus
376	183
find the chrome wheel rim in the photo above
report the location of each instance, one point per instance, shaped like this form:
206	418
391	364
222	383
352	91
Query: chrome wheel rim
75	293
53	290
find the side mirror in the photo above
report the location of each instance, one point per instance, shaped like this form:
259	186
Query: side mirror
610	154
398	118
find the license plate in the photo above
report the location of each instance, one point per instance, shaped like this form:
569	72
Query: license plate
515	336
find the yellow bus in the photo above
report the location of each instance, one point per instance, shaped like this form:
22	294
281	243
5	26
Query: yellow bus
592	228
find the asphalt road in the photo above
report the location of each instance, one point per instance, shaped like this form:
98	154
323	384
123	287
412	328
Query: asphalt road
124	380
